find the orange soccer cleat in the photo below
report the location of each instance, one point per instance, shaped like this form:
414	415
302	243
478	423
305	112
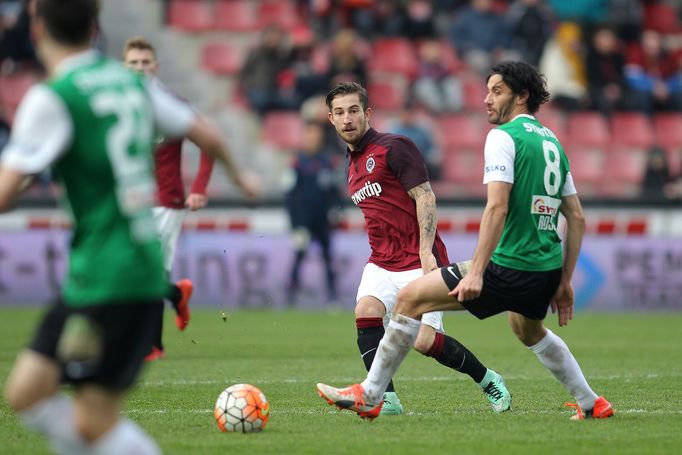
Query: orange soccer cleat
154	354
352	398
182	310
602	410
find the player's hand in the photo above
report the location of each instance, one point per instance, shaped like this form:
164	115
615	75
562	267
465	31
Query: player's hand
429	262
196	201
468	288
562	301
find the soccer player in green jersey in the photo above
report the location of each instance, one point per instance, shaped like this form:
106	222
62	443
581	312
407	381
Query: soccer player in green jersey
518	264
94	122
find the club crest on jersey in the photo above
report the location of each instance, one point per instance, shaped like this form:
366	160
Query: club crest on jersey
371	164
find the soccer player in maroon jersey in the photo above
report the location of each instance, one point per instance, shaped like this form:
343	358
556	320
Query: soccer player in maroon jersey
140	55
387	179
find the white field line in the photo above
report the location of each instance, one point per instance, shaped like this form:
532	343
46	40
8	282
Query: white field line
344	380
324	410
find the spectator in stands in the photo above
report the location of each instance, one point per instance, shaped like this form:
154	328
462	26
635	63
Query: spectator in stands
530	26
436	87
658	183
310	78
346	63
313	195
315	110
419	19
649	72
16	48
605	72
562	62
480	35
263	78
627	17
408	125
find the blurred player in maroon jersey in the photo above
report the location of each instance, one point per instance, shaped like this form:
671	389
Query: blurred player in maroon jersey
387	179
140	55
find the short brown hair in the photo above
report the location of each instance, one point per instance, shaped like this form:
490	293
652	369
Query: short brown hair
140	43
347	88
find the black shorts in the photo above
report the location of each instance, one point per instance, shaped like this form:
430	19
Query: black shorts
505	289
101	344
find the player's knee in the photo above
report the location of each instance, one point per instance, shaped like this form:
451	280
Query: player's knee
406	303
369	308
18	397
423	342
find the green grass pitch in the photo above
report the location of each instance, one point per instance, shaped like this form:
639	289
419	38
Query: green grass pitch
632	359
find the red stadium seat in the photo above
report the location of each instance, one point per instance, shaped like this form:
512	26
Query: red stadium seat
236	15
632	129
221	58
461	131
474	91
463	171
283	129
587	165
661	17
623	173
588	129
191	15
12	90
393	55
386	94
668	130
277	12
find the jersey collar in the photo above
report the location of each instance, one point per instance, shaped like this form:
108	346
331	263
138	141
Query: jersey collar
532	117
371	132
76	60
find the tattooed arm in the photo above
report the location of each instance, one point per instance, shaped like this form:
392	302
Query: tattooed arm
427	218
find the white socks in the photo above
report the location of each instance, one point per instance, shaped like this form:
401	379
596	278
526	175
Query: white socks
125	438
400	335
557	358
54	418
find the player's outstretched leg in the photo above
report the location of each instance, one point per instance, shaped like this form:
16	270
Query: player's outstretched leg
352	398
182	307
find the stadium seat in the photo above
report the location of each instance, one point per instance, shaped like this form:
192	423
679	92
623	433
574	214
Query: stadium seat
588	129
283	129
632	129
386	94
393	55
587	165
661	17
461	132
221	58
236	15
623	173
474	91
12	90
668	129
277	12
463	170
191	15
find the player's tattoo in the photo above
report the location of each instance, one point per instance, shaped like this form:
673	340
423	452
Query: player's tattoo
426	214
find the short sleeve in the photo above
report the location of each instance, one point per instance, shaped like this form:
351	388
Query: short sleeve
569	187
500	153
407	163
41	132
173	117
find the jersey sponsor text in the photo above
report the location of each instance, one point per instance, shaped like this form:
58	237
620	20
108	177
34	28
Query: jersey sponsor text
369	189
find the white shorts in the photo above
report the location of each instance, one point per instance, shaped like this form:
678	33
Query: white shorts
169	225
384	285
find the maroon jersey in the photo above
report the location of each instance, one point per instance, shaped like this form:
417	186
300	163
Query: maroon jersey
171	191
381	170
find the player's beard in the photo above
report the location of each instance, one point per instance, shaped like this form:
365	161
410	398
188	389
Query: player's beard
354	137
503	113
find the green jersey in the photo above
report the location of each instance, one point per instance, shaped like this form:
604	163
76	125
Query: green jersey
106	171
529	156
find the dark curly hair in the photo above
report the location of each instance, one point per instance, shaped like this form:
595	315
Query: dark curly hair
522	77
347	88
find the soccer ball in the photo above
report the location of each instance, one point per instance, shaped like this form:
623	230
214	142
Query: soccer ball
242	408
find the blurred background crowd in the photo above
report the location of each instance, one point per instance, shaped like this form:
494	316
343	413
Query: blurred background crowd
614	69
